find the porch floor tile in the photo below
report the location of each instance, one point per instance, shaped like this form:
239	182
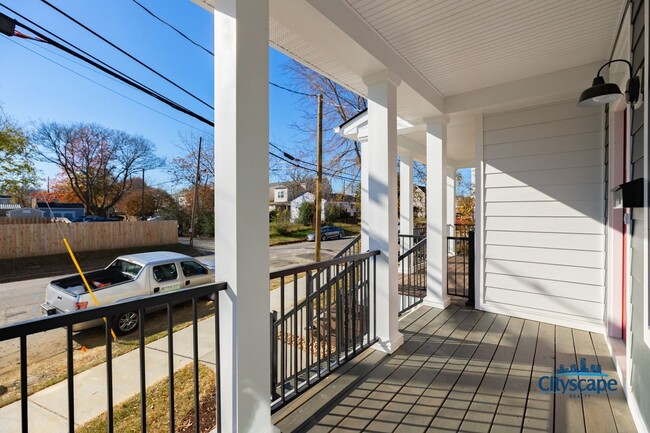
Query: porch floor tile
464	370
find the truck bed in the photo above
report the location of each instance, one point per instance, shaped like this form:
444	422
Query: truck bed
97	279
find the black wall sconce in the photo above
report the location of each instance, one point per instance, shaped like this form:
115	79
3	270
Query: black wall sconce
601	93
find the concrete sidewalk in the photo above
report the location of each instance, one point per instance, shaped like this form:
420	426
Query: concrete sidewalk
48	409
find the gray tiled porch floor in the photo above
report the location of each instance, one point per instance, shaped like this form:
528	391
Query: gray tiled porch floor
462	370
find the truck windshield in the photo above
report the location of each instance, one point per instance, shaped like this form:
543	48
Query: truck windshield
127	268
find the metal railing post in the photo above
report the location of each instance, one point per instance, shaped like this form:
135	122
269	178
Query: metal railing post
471	300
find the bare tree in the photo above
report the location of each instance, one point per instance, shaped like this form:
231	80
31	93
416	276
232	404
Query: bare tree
183	168
341	156
98	162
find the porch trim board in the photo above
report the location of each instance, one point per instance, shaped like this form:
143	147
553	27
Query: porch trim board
545	317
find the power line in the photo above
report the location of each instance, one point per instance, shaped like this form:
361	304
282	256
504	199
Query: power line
122	78
173	28
71	45
291	90
100	84
338	176
293	158
79	23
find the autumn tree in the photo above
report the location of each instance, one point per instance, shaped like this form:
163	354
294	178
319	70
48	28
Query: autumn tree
465	198
17	173
59	191
98	162
155	201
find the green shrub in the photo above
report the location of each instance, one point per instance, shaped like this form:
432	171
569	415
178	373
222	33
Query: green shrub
333	213
306	215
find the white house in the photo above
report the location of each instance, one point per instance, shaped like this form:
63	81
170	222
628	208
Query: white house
298	201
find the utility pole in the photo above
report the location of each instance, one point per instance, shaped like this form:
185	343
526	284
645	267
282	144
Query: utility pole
319	177
142	204
195	203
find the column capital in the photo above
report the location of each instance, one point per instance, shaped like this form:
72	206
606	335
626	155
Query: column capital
382	76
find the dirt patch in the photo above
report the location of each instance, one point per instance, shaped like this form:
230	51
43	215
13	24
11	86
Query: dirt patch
47	352
60	264
207	416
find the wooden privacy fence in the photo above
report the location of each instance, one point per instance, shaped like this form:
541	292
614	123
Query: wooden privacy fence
25	221
30	240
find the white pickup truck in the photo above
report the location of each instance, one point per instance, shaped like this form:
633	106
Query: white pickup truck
128	277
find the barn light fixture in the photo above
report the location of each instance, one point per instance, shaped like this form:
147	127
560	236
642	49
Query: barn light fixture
601	93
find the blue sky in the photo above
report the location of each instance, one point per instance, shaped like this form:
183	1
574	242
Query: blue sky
34	89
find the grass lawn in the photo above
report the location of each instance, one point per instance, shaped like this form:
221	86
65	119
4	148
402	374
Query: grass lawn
127	414
299	232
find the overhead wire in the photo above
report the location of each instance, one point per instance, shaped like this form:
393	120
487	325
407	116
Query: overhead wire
338	176
140	62
173	28
116	75
100	84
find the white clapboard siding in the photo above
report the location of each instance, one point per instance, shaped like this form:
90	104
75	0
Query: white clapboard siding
560	289
587	259
543	114
572	308
573	274
581	158
544	224
566	241
544	207
543	146
560	176
564	193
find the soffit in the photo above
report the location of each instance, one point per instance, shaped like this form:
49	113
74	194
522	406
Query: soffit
464	45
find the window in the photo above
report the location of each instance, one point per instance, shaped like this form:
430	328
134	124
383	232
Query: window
192	268
128	268
281	193
165	272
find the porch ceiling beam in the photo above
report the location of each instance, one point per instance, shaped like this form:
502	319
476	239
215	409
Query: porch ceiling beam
556	86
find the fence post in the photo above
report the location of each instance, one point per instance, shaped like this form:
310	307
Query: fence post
471	295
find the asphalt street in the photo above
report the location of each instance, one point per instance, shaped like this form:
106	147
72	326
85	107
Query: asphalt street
22	300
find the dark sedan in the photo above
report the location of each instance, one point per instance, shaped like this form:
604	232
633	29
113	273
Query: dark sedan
327	232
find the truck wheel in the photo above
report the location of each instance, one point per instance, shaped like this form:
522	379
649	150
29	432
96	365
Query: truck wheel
126	323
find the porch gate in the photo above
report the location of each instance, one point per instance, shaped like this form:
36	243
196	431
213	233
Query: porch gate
460	265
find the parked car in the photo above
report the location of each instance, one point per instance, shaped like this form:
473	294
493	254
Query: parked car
127	277
91	219
327	232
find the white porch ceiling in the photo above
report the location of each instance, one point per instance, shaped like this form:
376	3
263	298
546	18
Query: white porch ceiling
456	57
465	45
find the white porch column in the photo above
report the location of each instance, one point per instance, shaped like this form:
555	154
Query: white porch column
405	193
451	197
436	139
365	198
241	117
382	202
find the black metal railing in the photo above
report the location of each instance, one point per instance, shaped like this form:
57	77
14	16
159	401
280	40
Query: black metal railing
412	284
460	270
23	330
326	317
406	242
354	247
462	230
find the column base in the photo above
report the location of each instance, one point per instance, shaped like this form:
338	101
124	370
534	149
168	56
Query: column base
389	346
437	303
